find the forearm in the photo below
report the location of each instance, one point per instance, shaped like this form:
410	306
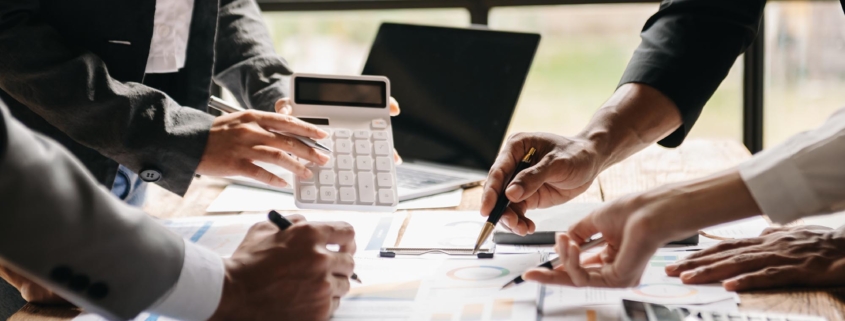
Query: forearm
686	207
634	117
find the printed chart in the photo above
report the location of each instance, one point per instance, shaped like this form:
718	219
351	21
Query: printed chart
477	273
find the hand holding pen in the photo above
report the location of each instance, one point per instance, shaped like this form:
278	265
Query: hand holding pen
556	262
282	223
502	203
237	140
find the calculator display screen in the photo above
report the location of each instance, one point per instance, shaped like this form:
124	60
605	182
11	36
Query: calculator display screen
340	92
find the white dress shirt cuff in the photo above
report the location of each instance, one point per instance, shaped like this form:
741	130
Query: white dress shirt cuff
779	187
197	293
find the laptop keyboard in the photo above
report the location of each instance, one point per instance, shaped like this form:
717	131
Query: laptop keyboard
414	179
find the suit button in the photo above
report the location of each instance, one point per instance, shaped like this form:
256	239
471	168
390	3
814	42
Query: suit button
79	283
61	274
98	291
150	175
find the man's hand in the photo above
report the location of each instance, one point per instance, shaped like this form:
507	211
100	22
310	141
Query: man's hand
237	140
30	291
283	106
288	275
564	168
780	257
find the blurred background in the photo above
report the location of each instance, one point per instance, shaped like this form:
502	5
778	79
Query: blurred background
585	49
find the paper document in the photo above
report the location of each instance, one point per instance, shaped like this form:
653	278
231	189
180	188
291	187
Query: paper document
239	198
559	218
469	289
742	229
655	287
222	234
436	229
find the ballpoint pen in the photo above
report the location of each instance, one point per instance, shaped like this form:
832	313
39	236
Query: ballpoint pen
502	203
551	264
282	223
225	107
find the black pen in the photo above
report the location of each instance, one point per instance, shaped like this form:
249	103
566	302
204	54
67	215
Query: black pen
552	264
502	203
282	223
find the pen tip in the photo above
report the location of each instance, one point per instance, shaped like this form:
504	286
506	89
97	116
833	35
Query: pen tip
355	278
506	286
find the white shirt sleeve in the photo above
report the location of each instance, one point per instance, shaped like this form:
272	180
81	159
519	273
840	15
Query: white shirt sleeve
803	176
197	293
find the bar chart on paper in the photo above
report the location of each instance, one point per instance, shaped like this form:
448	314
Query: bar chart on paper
501	309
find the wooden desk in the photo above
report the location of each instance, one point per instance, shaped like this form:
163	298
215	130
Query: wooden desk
650	168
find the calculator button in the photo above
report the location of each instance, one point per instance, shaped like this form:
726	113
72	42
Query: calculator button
345	178
347	194
344	161
342	133
379	123
344	146
380	135
382	148
326	142
385	179
383	164
366	190
328	194
362	147
365	163
385	196
308	193
326	177
362	134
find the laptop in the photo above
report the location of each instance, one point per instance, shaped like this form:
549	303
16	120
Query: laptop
458	89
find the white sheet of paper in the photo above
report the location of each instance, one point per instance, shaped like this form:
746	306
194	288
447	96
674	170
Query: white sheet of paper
239	198
437	229
745	228
655	287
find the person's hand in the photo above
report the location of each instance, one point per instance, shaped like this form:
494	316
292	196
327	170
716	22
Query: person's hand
30	291
288	275
283	106
563	168
626	225
237	140
636	225
780	257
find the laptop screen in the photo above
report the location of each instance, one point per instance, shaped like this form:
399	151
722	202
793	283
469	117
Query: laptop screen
457	88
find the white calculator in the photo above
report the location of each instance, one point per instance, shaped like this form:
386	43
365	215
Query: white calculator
355	111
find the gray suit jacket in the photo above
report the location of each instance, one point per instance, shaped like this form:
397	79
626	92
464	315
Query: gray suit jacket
74	71
62	229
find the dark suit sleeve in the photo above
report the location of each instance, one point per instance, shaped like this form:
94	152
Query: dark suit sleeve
59	228
687	49
245	61
70	87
